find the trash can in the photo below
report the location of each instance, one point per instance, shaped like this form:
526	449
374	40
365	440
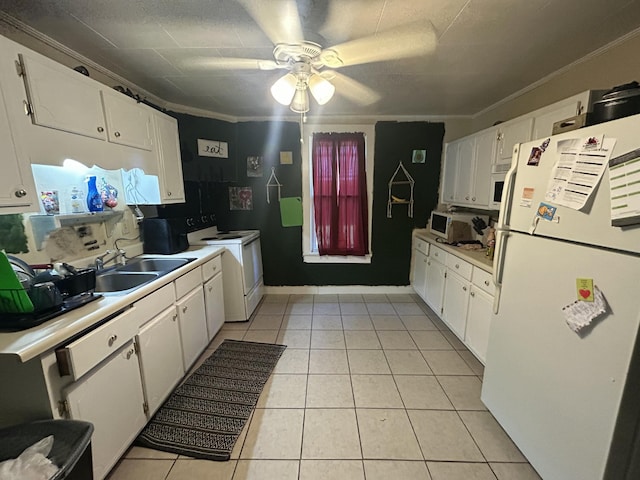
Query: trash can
71	451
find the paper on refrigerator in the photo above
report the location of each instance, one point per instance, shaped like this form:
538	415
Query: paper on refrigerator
579	166
579	314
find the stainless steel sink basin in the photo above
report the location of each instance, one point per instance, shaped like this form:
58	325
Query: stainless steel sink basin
122	282
154	264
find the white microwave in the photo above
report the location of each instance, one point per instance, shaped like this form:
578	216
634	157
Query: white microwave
440	222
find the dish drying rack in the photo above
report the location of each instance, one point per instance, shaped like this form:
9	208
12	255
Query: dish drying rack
400	177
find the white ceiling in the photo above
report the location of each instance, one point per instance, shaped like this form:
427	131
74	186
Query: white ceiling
486	50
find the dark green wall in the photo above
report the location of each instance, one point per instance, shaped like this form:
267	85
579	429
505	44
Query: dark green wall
282	246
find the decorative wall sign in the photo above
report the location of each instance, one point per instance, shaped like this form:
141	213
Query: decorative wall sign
254	166
419	156
240	198
286	158
212	148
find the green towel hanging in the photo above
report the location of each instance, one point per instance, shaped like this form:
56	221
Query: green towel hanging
291	211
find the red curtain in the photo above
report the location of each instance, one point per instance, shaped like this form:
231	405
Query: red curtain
340	194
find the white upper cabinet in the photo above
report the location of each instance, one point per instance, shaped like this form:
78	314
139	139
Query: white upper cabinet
128	123
484	155
450	172
61	98
17	189
167	147
509	135
466	170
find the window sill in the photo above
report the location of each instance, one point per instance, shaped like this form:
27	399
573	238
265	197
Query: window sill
315	258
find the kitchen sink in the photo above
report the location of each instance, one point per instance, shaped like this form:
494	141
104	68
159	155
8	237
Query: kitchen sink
163	265
122	282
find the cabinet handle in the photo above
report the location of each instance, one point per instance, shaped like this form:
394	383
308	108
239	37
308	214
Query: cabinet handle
117	134
112	340
486	282
184	309
467	197
464	289
473	199
429	263
168	194
473	294
175	317
21	193
424	261
129	353
215	267
457	266
210	289
100	129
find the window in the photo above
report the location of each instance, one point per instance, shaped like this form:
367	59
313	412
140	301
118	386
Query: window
339	193
338	177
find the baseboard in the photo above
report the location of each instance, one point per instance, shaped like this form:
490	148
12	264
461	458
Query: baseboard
344	289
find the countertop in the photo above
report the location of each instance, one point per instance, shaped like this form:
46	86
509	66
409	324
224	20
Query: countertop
477	258
28	344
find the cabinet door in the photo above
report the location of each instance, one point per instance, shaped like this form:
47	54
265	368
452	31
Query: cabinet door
16	182
435	285
450	173
61	98
193	326
484	155
419	268
169	161
511	134
479	322
466	171
543	124
214	305
455	303
160	357
127	122
111	398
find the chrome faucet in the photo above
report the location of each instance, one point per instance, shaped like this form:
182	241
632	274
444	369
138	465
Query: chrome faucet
101	261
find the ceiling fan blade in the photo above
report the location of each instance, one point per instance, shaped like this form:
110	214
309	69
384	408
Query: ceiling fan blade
351	89
278	19
412	40
222	63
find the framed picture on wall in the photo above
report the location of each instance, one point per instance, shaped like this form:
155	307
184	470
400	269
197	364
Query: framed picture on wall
419	156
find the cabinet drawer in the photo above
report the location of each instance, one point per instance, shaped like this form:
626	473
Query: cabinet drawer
483	280
188	282
421	245
149	306
80	356
461	267
438	254
211	268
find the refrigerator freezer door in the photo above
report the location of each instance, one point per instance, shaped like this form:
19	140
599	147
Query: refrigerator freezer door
555	392
592	225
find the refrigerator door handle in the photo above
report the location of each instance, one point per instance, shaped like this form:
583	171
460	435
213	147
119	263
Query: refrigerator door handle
498	266
507	195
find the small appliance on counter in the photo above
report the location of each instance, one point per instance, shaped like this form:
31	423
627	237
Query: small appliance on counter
164	235
452	226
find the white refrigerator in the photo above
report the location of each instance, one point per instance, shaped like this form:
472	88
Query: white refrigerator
566	398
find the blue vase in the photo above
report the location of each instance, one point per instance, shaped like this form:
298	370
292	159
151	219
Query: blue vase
94	200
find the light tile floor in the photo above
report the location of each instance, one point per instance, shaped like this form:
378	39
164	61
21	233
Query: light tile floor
370	387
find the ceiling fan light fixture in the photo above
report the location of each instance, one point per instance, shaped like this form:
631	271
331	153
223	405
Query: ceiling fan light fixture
284	89
321	89
300	103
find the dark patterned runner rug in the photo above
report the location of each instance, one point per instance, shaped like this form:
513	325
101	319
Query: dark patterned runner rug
204	416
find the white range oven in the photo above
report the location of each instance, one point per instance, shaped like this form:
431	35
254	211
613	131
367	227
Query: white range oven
241	269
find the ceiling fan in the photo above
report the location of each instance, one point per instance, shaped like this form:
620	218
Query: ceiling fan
312	68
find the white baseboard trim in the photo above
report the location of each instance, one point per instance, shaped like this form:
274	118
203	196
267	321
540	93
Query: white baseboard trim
344	289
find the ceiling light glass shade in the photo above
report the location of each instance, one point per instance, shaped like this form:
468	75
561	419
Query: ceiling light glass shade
284	89
321	89
300	103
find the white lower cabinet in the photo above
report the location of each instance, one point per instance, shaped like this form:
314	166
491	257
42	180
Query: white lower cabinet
479	322
456	303
435	276
160	357
460	293
193	326
214	305
116	413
